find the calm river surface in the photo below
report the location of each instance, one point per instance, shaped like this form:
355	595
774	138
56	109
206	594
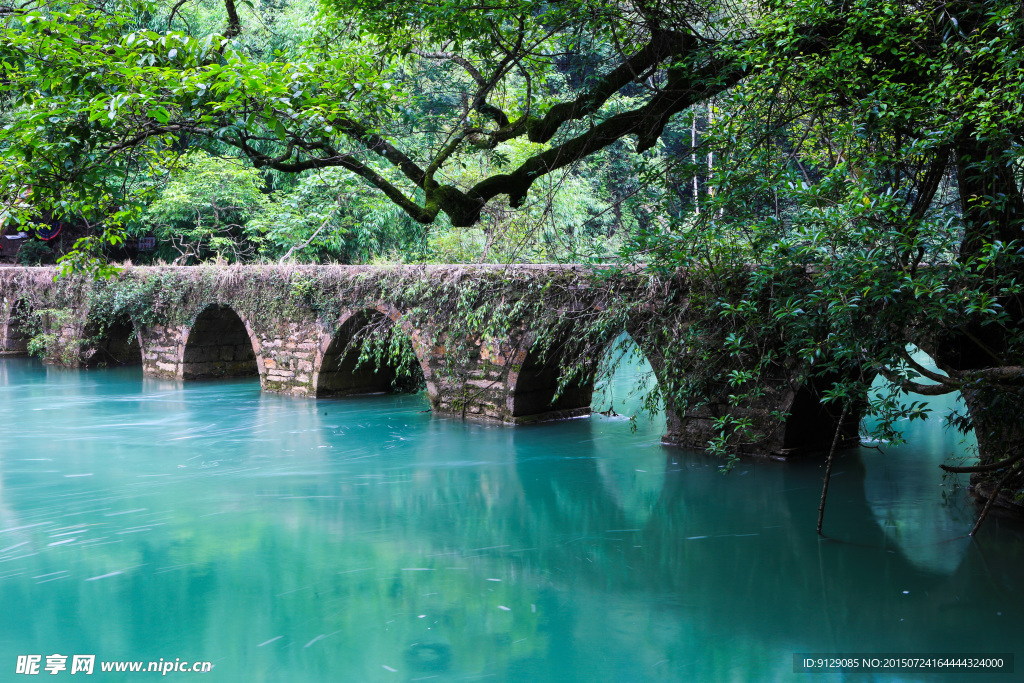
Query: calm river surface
366	540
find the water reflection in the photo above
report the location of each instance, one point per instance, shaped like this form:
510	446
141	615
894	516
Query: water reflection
923	511
364	539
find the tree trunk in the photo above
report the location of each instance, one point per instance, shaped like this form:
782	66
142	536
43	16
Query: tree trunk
993	210
999	428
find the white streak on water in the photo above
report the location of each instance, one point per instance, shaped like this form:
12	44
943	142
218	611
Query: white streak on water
18	557
27	526
268	642
71	476
56	578
66	540
320	637
104	576
126	512
12	547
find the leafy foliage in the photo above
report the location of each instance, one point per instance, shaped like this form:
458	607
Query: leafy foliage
205	209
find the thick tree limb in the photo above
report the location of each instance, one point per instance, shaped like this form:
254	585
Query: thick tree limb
925	372
914	387
662	46
990	467
463	208
1004	372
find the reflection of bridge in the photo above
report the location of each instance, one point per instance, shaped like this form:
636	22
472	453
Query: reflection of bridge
734	559
203	322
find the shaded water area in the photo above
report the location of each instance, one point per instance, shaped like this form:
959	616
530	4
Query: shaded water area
363	539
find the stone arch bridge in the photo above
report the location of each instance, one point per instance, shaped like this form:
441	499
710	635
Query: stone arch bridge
475	333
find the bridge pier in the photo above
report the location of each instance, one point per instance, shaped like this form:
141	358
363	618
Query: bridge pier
13	340
789	422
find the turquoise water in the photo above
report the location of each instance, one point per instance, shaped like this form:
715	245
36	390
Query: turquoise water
364	539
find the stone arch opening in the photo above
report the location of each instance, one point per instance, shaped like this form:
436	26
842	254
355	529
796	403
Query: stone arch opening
16	330
339	372
811	425
535	392
118	344
625	381
219	344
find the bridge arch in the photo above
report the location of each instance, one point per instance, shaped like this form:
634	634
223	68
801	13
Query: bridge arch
336	368
811	423
627	374
117	343
220	343
533	385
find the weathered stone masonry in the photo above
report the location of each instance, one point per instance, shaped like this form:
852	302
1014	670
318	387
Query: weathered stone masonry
208	322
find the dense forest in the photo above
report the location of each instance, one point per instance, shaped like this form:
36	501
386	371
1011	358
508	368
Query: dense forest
166	159
844	179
